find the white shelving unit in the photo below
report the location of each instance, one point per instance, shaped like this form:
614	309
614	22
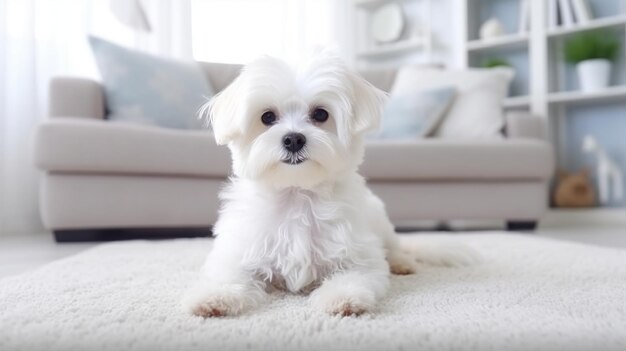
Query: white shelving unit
372	4
546	85
514	46
535	43
369	54
505	41
611	93
599	23
393	48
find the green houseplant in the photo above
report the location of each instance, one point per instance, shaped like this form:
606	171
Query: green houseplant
592	53
495	62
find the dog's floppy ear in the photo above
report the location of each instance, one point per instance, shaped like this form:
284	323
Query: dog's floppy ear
367	105
221	113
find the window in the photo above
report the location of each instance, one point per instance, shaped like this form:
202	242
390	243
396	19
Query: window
237	31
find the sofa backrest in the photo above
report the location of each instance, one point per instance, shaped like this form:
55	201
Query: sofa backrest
222	74
382	79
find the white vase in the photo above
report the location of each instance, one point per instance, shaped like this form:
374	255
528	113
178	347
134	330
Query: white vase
593	75
492	28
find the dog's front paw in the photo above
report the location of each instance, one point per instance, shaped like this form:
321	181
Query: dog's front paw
347	307
402	263
205	300
342	304
217	306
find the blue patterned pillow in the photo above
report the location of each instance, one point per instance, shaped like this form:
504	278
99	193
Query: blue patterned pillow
146	89
416	114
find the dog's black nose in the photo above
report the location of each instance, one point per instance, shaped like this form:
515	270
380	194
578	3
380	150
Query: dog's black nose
294	141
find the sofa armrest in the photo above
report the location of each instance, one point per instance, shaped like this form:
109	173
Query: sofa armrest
76	97
525	125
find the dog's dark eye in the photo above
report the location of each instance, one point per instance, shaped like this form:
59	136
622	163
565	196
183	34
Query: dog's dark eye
319	115
268	118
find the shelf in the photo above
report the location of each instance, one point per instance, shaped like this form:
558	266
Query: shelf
605	22
506	41
372	4
516	101
393	48
610	93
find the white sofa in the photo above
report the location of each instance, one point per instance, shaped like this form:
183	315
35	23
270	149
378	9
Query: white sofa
105	180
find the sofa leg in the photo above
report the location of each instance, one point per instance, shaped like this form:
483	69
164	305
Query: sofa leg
521	226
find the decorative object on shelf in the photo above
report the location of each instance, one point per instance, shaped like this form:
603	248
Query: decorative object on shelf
574	190
609	174
391	32
568	13
387	23
593	75
592	53
492	28
495	62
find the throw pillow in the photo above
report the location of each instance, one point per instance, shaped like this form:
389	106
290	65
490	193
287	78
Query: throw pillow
477	109
415	114
146	89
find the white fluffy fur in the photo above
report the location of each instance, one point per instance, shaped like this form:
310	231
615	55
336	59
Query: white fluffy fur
312	227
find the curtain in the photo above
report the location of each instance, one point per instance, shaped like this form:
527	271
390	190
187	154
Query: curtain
171	28
237	31
40	39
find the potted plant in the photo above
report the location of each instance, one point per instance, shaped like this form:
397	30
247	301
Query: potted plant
592	53
495	62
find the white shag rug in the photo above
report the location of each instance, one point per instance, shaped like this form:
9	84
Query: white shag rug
528	294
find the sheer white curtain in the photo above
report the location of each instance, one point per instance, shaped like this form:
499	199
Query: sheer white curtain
40	39
171	28
237	31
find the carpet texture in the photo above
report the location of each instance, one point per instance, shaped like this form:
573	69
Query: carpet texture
528	294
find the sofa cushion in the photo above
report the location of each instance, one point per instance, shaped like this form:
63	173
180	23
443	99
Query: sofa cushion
147	89
90	146
414	114
445	159
476	112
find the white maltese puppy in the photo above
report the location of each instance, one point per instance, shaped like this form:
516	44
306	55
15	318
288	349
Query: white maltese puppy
296	215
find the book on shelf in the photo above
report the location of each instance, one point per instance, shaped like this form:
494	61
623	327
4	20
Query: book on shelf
567	16
581	11
567	13
553	14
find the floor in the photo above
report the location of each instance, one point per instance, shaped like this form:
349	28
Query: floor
22	253
26	252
